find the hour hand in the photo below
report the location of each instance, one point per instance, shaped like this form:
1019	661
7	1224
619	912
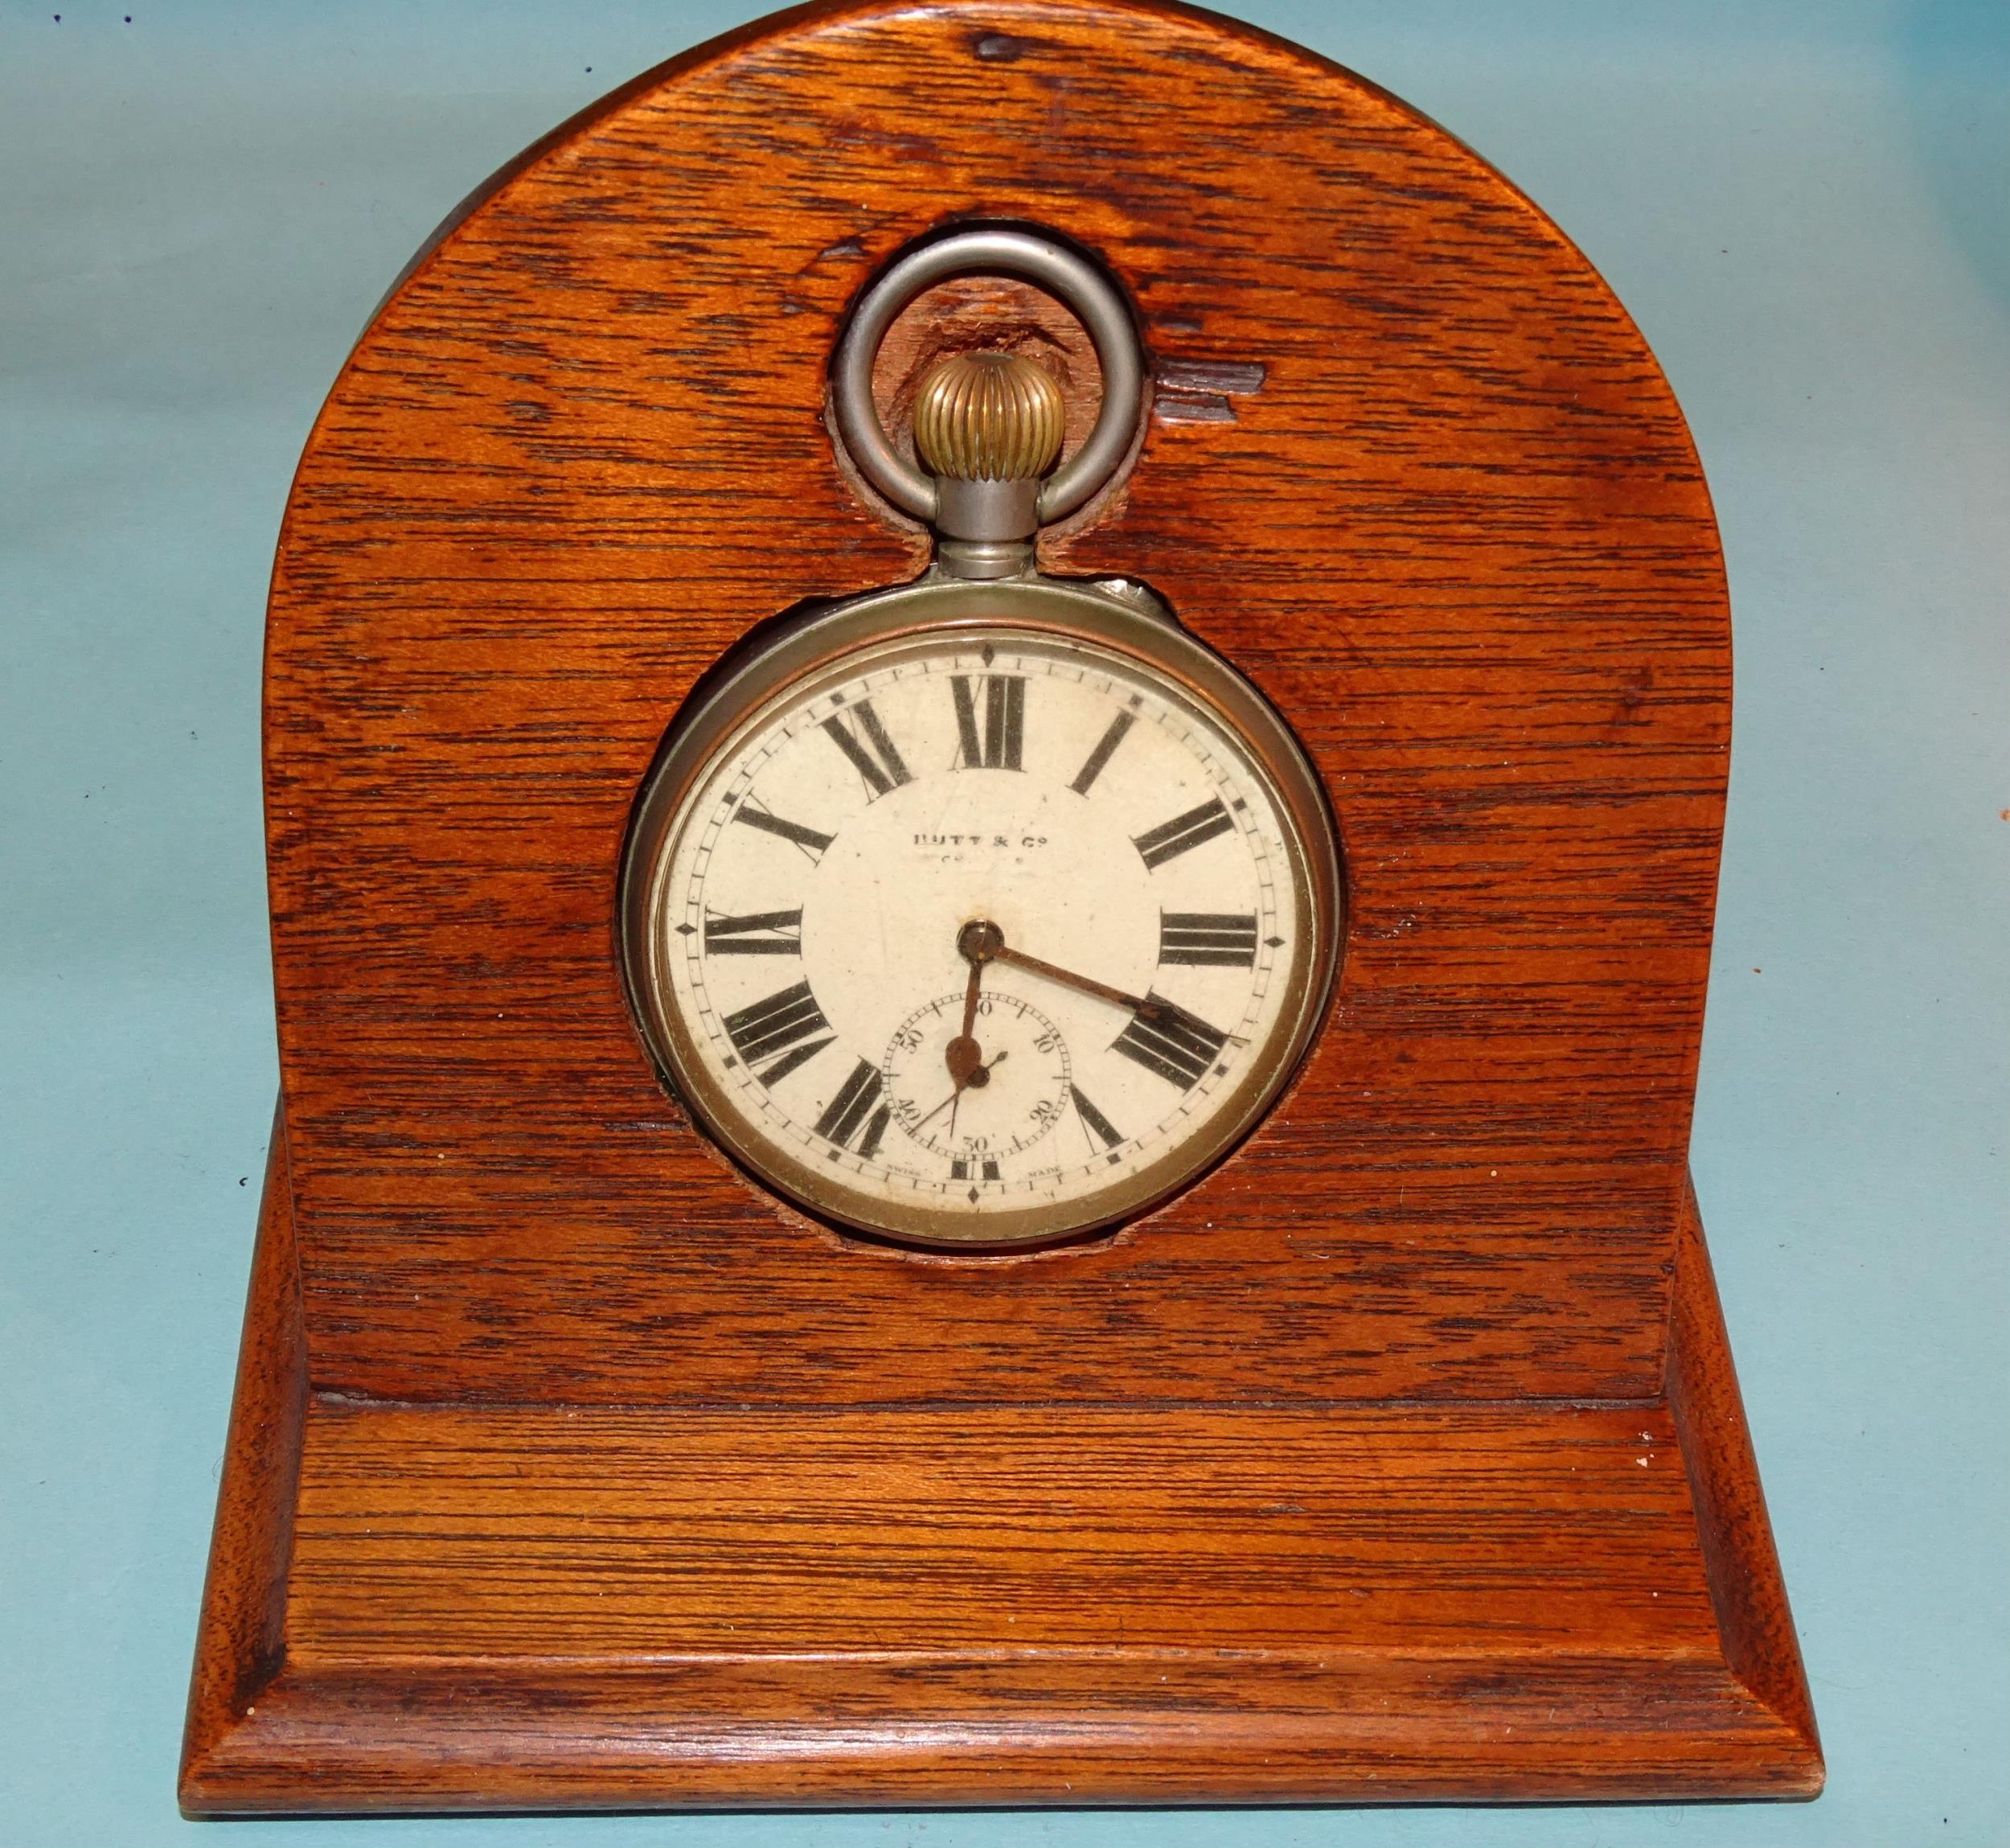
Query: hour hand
963	1055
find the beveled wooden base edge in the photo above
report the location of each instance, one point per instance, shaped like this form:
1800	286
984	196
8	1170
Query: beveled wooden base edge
1058	1727
1754	1622
1146	1731
240	1637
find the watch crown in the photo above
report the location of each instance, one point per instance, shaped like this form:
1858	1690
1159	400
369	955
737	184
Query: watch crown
988	416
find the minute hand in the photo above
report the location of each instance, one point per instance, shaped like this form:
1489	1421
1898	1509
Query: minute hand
1067	979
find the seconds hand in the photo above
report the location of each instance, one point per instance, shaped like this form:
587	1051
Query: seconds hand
963	1056
977	1081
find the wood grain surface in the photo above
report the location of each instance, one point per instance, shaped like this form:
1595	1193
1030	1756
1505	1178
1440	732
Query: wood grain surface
597	1607
1754	1625
1401	1458
1414	472
430	1534
241	1645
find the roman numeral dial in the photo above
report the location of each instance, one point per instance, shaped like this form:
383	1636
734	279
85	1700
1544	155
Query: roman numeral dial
991	720
1105	749
1208	939
873	754
971	933
787	1028
813	843
1093	1120
855	1118
758	934
1183	833
1167	1039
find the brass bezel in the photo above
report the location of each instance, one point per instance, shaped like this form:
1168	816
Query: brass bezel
1126	622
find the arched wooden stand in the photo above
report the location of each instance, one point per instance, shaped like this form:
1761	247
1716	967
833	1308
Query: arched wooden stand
1402	1457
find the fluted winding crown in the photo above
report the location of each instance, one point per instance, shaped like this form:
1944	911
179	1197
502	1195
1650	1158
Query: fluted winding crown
988	416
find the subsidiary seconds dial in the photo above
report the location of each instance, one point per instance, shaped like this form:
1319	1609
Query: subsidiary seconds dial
985	931
979	1107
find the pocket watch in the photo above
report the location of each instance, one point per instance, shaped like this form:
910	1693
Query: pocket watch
991	909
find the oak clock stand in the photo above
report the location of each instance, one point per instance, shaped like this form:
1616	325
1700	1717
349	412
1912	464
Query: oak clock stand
1399	1457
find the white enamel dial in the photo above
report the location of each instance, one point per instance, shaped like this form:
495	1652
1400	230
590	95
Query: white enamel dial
1154	914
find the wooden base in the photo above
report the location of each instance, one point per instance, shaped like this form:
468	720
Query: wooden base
458	1607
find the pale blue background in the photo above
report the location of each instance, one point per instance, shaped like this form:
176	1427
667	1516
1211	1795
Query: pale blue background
1807	207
